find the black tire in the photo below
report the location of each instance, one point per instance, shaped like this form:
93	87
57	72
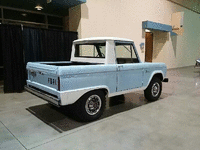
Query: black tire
90	106
153	91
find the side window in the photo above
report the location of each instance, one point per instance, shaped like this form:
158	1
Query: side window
125	53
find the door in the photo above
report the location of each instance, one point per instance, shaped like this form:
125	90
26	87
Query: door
129	69
148	46
130	76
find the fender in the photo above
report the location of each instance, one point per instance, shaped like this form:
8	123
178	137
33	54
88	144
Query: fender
71	96
152	75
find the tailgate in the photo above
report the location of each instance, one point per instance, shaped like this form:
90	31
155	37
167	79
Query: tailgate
43	74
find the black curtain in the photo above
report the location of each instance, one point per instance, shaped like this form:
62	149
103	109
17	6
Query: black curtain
30	45
14	68
47	45
1	59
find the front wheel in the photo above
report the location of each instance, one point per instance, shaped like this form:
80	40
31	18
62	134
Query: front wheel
90	106
153	91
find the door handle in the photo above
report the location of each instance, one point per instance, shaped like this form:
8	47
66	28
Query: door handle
147	71
119	67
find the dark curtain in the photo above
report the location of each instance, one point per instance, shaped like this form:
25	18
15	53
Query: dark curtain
47	45
1	59
57	45
14	68
69	37
32	44
1	53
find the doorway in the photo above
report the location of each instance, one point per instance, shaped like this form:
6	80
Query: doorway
148	46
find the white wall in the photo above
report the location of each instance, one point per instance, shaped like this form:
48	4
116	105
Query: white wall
123	18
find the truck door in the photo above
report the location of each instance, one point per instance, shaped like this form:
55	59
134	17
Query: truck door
129	68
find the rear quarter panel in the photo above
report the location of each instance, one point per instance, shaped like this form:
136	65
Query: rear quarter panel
80	77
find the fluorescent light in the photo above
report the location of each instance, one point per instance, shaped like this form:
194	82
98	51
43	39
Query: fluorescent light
147	30
24	14
38	7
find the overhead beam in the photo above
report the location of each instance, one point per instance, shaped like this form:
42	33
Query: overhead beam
156	26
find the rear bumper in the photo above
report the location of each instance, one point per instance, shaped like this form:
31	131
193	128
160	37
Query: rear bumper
53	100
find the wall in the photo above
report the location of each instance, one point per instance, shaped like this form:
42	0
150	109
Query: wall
74	19
123	18
179	51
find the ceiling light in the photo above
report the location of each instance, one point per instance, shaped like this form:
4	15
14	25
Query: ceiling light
147	30
38	7
24	14
49	1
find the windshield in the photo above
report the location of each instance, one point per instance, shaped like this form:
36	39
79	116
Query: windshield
90	50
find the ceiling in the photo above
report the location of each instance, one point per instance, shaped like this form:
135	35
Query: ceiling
56	7
193	5
60	7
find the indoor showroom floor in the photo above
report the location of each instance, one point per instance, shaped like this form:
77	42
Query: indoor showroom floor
171	123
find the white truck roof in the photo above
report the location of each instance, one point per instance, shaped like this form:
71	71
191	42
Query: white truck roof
110	57
103	39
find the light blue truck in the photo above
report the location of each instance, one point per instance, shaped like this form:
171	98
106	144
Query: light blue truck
99	67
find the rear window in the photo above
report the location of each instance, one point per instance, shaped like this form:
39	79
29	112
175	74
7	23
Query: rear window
90	50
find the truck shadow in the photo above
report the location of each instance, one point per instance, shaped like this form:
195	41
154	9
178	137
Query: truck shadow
62	119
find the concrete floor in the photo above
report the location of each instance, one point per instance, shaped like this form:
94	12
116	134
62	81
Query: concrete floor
171	123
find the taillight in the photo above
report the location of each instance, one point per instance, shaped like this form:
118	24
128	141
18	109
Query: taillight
58	83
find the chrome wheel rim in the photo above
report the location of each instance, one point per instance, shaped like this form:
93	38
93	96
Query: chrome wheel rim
155	89
93	105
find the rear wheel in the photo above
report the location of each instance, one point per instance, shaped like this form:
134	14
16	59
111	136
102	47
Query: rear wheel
153	91
90	106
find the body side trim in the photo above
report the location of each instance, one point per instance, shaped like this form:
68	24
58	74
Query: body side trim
124	92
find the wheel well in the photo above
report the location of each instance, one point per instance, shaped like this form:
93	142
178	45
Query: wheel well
105	91
159	75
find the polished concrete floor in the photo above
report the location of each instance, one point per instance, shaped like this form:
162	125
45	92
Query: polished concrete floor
171	123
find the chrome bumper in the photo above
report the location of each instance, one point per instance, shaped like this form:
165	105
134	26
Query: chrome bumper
46	97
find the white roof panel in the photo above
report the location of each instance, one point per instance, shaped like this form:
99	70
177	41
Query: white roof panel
103	39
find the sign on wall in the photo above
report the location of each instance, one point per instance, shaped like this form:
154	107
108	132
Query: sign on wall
177	23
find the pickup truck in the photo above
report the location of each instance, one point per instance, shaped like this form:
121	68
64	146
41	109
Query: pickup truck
99	67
